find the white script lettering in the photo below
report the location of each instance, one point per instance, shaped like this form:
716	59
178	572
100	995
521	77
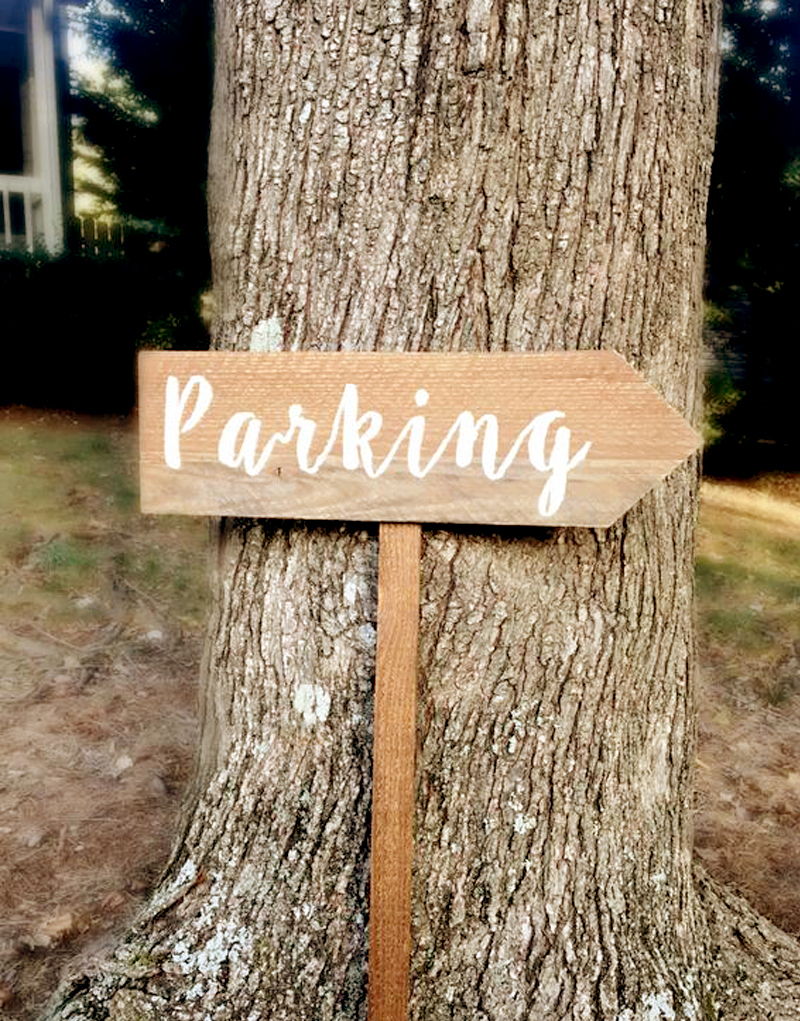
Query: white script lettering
174	407
240	445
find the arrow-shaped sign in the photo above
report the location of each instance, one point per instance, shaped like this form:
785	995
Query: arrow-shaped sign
567	438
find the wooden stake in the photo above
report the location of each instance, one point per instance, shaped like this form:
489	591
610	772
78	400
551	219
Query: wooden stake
393	758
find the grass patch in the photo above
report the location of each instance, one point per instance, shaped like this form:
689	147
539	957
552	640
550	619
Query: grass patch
87	445
748	587
748	612
741	626
64	555
714	579
71	530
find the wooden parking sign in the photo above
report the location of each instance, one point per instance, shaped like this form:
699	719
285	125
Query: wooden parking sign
563	438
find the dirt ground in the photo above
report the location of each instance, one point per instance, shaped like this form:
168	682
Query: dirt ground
95	757
100	642
101	617
747	823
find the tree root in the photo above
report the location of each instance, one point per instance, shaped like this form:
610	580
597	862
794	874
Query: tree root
755	969
757	965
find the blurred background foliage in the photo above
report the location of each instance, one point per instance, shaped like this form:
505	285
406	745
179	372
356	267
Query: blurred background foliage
78	319
140	99
754	244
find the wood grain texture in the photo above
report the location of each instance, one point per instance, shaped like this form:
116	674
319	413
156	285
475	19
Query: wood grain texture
393	771
636	438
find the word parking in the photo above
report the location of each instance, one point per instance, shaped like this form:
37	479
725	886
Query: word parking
245	443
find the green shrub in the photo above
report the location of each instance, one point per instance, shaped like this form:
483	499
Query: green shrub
76	322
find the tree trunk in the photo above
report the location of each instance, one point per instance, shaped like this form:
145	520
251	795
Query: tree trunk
468	175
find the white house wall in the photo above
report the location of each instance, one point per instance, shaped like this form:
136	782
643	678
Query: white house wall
46	122
39	188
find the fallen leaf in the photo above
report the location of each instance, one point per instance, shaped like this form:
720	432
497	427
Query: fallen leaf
31	836
121	764
55	929
114	900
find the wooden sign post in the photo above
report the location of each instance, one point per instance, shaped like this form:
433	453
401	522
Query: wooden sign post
567	438
393	761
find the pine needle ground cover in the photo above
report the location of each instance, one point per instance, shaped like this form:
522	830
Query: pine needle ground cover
102	613
748	770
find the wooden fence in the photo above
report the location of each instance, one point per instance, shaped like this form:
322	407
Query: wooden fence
96	237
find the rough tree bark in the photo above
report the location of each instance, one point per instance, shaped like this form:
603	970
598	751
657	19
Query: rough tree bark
433	175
